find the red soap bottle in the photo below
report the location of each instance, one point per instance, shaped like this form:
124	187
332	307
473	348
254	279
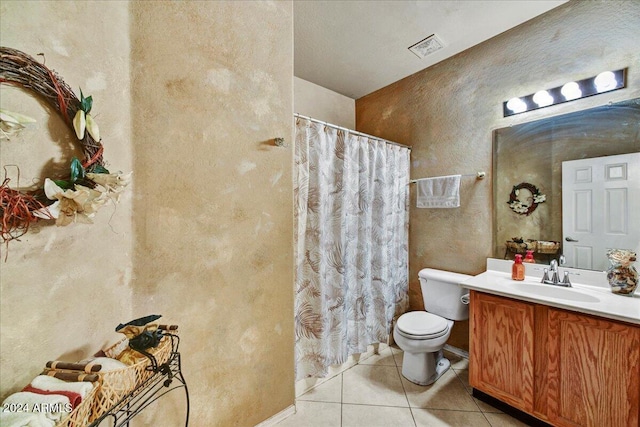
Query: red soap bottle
517	270
529	257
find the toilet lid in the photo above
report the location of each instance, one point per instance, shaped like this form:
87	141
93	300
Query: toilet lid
422	324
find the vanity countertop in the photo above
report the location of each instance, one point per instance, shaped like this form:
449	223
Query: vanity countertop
590	292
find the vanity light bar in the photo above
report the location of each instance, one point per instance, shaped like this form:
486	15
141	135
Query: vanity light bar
606	81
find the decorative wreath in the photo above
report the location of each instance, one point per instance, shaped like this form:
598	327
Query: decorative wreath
89	185
525	207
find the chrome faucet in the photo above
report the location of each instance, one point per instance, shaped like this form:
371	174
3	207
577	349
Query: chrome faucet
555	279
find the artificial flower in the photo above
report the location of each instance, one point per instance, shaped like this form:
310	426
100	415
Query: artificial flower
78	205
80	124
11	123
111	182
92	128
539	198
519	207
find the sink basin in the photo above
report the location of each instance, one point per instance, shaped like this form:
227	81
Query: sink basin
552	291
590	293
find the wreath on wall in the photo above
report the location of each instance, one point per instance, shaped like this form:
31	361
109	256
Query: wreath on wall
88	185
527	206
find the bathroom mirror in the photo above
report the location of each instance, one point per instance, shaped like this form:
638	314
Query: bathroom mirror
533	152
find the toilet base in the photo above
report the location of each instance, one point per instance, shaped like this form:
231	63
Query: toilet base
424	368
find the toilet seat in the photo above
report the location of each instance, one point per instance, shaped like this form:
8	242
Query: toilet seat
420	325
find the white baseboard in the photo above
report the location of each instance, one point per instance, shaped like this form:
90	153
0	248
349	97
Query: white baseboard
458	351
287	412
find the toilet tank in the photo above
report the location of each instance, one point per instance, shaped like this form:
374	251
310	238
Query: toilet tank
441	293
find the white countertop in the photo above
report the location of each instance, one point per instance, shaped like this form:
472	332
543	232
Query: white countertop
590	292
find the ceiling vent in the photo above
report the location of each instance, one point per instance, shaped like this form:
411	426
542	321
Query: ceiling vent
427	46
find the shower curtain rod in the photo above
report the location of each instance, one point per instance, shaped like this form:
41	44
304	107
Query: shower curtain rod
478	175
354	132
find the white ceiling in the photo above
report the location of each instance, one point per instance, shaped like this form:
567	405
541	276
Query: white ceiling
357	47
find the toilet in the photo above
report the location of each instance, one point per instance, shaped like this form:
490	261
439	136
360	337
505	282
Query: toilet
423	334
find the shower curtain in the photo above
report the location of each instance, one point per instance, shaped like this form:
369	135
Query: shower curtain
352	221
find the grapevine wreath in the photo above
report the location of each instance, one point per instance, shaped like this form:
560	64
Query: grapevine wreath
525	207
88	185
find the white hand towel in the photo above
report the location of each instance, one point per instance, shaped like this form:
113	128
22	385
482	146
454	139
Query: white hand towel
25	419
53	406
108	364
48	383
440	192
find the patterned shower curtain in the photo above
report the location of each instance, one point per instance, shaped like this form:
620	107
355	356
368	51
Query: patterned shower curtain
352	205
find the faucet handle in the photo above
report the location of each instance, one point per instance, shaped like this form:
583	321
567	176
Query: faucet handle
545	276
566	280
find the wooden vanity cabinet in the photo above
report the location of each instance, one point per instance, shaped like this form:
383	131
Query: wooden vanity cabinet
563	367
501	349
594	371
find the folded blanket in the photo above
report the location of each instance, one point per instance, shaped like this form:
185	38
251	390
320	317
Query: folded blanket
25	419
48	383
74	398
53	406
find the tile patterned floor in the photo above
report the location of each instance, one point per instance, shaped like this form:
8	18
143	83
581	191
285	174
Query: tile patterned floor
374	393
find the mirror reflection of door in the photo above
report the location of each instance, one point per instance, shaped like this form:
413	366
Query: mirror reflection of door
600	208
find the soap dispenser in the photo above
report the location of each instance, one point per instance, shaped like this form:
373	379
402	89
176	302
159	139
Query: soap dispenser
517	270
529	257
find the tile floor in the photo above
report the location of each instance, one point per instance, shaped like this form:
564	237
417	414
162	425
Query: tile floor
374	393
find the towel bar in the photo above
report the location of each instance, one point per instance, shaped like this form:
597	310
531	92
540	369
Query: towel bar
478	175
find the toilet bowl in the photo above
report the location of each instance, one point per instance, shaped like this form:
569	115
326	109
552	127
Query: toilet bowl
423	334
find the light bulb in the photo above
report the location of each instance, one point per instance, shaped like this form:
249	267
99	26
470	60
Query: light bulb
516	105
543	98
605	81
571	91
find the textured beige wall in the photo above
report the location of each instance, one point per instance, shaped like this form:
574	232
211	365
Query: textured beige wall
447	114
321	103
64	290
212	84
188	96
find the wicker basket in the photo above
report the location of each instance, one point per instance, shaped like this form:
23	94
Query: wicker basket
548	247
521	247
114	385
80	416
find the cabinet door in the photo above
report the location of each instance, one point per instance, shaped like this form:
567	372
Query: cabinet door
501	347
594	371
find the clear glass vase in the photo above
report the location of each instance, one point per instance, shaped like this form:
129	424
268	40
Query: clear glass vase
622	275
